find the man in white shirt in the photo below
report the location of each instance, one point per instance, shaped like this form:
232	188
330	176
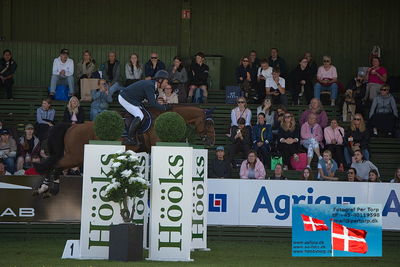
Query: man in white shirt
63	70
275	87
263	73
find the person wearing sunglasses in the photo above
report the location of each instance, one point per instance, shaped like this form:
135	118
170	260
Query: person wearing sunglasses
153	66
241	111
327	80
243	75
376	77
383	114
356	138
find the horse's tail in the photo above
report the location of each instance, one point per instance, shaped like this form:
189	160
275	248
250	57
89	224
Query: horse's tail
55	144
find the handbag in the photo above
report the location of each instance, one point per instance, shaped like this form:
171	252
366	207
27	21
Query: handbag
277	159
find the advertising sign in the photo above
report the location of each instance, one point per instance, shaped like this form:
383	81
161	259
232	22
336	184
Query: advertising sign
200	201
337	230
171	203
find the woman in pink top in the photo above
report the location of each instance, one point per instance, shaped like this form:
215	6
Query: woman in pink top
316	108
333	135
311	137
252	168
376	77
326	80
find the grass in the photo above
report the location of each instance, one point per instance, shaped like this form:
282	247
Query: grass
46	252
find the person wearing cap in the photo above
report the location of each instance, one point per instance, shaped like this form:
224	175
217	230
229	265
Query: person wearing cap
28	148
131	98
153	66
7	69
198	77
220	167
8	150
63	69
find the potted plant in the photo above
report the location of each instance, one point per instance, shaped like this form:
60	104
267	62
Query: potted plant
108	126
170	127
126	240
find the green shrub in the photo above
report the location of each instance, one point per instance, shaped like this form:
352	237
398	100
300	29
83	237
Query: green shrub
108	126
170	127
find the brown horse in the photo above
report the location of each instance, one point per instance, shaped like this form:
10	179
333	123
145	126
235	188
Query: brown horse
66	143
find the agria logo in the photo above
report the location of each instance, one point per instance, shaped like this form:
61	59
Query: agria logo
217	202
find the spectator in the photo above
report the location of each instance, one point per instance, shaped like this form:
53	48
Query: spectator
101	98
262	138
133	70
351	175
168	96
254	65
362	166
178	77
1	125
266	108
311	65
334	140
358	87
300	81
275	87
278	173
373	176
111	72
220	167
8	150
252	168
356	138
241	111
152	66
327	80
264	72
198	76
307	174
3	170
28	148
288	138
311	137
275	61
240	137
243	75
280	112
327	167
316	108
8	66
376	77
383	114
44	119
74	113
396	178
86	68
32	170
63	69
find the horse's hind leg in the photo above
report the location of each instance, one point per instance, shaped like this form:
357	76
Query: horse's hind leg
44	186
54	184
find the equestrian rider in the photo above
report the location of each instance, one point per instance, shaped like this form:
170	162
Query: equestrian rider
132	96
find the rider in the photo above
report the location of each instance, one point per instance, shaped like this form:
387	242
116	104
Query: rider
132	96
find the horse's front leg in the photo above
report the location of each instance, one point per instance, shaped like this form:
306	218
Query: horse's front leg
54	185
44	186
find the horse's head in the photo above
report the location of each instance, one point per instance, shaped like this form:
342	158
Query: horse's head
209	131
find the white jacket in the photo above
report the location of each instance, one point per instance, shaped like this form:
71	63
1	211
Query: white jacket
58	66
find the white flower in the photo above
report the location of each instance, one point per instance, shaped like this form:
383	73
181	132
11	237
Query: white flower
126	173
139	180
123	157
132	158
116	164
130	152
112	186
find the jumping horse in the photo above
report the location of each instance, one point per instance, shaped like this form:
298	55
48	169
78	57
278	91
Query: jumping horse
66	144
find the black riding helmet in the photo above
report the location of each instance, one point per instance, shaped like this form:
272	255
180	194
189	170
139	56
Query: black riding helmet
161	75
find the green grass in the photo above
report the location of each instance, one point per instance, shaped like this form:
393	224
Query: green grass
46	252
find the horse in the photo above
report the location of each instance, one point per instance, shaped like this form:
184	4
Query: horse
66	144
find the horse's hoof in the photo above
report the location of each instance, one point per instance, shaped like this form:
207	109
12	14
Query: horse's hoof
46	195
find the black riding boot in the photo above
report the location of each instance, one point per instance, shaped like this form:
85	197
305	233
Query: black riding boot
131	138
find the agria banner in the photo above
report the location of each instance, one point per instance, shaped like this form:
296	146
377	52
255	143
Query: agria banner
269	203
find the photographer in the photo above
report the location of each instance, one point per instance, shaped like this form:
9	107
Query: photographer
101	97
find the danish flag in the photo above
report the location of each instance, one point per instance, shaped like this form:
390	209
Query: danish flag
348	239
312	224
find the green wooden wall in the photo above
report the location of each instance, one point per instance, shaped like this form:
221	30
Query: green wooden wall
344	29
35	60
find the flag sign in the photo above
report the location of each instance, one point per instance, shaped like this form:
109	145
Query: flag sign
333	230
312	224
348	239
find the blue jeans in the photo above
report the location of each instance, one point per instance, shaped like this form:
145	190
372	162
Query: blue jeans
10	164
55	79
333	88
347	155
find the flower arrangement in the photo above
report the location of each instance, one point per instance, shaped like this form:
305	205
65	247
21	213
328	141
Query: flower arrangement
126	182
